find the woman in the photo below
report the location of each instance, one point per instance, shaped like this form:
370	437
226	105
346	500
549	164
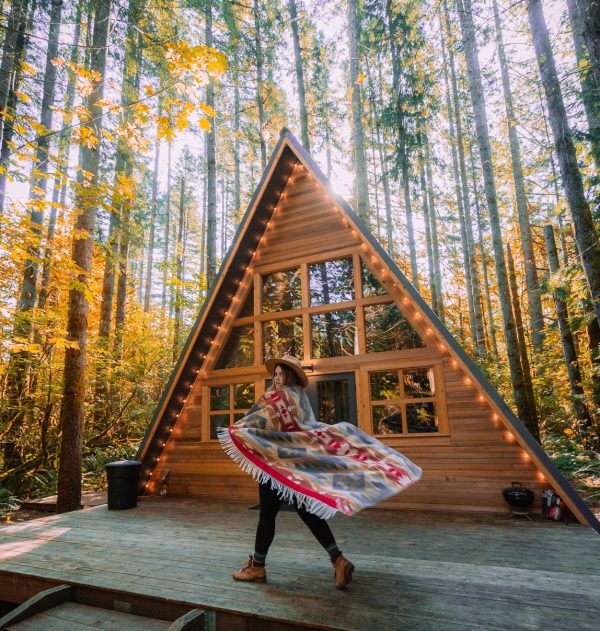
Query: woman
320	468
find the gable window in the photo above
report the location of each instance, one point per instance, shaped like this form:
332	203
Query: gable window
331	281
386	329
283	336
282	291
333	333
404	401
229	404
370	285
238	351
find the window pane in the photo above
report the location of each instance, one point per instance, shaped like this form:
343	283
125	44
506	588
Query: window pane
238	415
334	405
384	385
243	396
238	351
283	336
331	281
333	334
387	419
370	285
388	330
219	398
418	383
216	421
282	291
420	417
248	308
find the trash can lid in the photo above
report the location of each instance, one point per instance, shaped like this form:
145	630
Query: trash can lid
123	463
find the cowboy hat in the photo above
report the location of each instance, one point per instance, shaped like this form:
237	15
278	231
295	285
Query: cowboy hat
290	362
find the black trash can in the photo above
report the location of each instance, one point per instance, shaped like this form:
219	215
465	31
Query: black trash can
123	477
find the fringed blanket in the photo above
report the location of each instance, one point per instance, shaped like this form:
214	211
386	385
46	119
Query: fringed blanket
324	468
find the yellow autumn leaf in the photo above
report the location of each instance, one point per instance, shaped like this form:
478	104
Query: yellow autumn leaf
208	109
164	129
28	69
24	98
58	61
125	186
204	124
181	121
38	128
148	90
361	77
108	135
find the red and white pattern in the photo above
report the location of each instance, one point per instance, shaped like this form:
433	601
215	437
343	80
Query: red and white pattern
325	468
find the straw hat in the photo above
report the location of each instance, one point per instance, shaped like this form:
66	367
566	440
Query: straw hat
290	362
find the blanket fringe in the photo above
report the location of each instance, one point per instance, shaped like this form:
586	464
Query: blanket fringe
310	504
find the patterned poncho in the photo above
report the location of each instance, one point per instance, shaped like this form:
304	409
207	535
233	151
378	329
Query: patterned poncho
323	468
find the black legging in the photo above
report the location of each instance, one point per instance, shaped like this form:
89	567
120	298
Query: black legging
270	503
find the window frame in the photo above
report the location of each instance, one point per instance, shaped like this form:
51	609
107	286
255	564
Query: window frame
207	413
361	363
442	436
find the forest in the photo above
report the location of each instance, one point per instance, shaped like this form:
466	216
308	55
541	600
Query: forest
133	133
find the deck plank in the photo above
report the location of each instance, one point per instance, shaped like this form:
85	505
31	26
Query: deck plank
415	570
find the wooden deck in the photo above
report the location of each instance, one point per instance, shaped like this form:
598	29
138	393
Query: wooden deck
414	571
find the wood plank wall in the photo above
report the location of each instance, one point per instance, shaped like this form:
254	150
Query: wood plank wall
467	473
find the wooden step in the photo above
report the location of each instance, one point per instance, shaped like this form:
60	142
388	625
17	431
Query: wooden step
75	617
55	609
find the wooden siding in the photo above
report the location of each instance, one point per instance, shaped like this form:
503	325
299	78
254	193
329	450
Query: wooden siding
466	470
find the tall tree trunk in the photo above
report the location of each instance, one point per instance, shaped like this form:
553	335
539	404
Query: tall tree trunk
178	302
15	27
234	43
14	55
384	171
166	265
445	30
62	166
299	74
471	261
534	301
153	204
585	230
589	94
559	212
435	246
527	414
516	305
211	173
14	404
73	401
428	241
39	177
117	243
486	283
566	337
589	11
412	246
358	135
259	84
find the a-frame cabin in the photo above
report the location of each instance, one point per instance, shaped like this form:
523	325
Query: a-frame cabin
304	275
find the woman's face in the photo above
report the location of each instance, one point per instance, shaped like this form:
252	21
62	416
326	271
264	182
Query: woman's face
278	377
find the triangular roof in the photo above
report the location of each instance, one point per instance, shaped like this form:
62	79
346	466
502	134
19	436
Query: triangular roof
287	155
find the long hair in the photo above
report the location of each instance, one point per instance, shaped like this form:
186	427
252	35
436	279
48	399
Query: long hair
290	378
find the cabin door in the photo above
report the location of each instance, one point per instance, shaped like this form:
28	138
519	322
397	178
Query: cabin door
333	397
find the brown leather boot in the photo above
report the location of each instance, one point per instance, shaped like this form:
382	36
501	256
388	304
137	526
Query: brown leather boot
343	571
251	573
